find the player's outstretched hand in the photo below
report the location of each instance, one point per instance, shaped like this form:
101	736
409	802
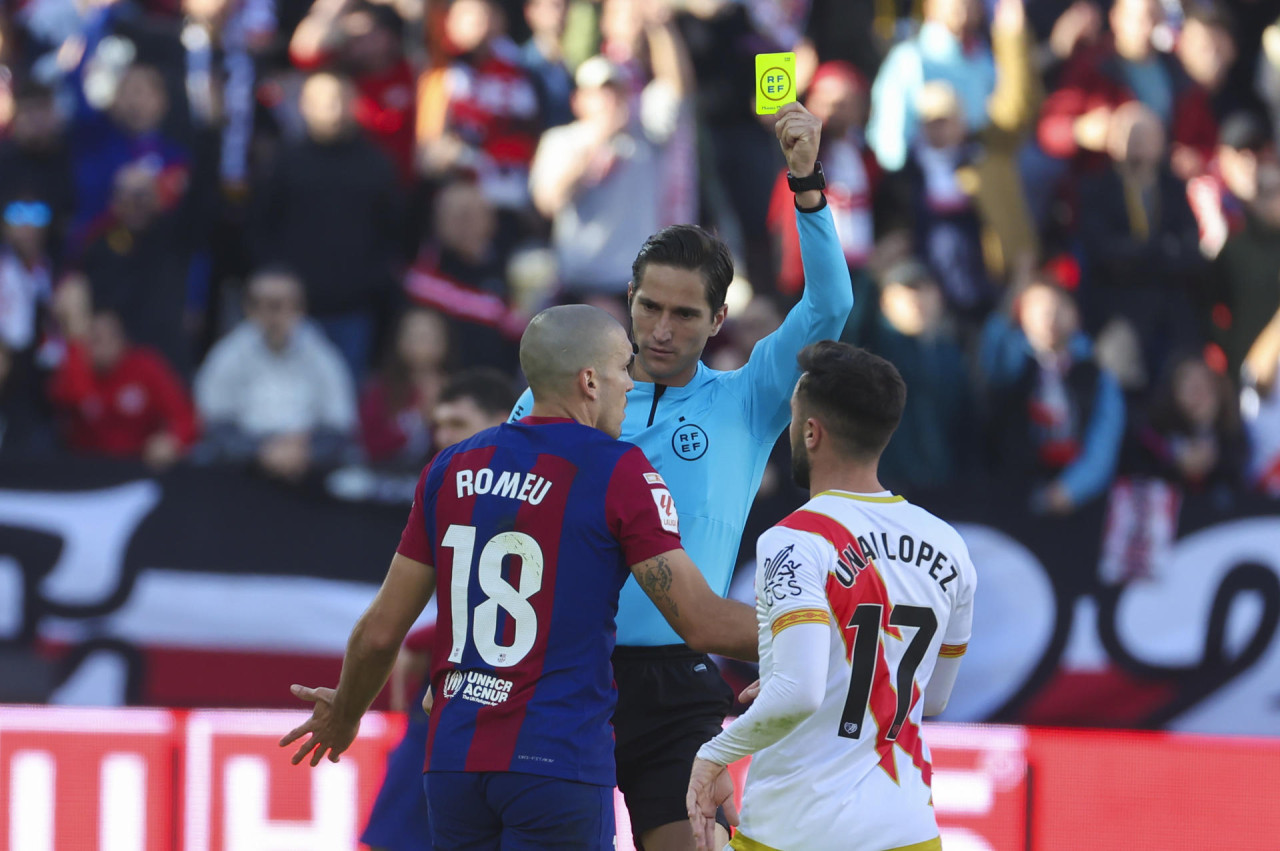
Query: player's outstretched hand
329	732
710	786
799	132
750	693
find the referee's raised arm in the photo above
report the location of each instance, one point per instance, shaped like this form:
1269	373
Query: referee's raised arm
771	371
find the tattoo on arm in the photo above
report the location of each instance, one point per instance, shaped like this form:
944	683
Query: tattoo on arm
656	581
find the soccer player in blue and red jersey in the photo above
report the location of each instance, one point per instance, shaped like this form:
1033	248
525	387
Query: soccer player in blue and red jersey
530	530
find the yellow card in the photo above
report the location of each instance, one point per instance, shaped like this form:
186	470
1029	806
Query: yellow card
775	81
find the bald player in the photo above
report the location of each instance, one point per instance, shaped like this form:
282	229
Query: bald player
529	531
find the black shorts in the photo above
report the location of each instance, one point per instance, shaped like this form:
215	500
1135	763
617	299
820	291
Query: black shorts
671	701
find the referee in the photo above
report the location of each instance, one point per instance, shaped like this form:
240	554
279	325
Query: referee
709	434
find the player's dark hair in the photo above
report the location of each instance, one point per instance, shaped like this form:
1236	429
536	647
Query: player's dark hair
689	247
487	387
856	395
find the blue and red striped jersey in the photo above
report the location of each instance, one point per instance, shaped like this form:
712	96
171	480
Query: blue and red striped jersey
531	528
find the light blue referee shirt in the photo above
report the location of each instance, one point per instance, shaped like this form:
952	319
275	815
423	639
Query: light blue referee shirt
710	439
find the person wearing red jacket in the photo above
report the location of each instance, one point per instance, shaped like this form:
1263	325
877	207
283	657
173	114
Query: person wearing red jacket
118	399
1122	67
365	41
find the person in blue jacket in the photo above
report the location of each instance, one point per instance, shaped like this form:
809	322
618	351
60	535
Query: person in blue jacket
708	434
1057	418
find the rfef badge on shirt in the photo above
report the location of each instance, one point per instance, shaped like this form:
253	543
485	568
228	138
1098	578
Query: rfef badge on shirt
775	81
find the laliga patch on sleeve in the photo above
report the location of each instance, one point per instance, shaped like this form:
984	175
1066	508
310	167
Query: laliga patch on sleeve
666	509
654	479
775	81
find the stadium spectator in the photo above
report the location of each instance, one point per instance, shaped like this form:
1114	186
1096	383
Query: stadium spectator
1190	434
118	399
130	131
1268	74
722	40
1140	241
28	336
1010	242
837	95
641	38
365	40
26	282
23	434
597	177
1260	407
396	405
472	401
935	440
275	391
949	48
330	210
138	260
1122	66
34	161
1246	275
947	227
460	272
1206	50
1220	195
543	57
478	108
222	41
1056	420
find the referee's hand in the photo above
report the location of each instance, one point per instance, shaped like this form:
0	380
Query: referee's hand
329	732
710	786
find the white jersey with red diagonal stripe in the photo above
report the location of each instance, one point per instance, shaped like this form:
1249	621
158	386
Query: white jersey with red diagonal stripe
896	584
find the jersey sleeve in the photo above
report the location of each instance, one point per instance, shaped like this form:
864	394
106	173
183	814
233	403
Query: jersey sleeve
955	641
793	568
414	543
640	510
771	372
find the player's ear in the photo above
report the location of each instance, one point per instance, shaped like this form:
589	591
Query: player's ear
589	383
813	434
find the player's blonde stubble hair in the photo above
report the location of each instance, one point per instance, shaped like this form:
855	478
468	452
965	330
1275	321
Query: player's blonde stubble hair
562	341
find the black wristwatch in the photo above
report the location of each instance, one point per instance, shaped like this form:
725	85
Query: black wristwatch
817	180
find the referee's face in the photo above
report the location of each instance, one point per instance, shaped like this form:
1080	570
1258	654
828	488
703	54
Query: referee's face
671	322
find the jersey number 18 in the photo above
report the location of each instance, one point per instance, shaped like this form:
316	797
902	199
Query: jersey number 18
499	594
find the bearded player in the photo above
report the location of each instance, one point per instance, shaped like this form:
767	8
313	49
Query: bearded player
864	604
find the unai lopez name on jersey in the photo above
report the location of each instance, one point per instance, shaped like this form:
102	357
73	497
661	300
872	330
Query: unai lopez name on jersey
477	687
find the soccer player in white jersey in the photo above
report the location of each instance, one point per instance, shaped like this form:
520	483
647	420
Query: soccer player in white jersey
864	603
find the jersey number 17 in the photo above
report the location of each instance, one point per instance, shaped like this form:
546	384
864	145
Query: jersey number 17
866	623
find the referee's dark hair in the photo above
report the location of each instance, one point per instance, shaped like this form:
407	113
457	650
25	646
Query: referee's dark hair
489	388
688	247
857	396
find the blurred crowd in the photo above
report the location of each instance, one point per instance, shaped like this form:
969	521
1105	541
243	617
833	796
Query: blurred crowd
298	235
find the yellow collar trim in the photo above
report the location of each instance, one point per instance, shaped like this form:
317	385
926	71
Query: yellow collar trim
860	497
